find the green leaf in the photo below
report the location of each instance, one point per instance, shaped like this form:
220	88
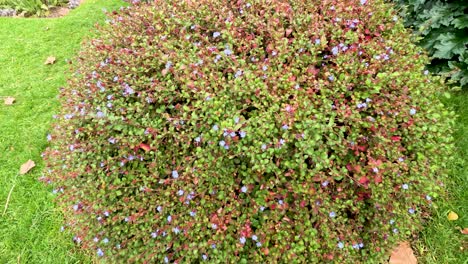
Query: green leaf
450	44
460	22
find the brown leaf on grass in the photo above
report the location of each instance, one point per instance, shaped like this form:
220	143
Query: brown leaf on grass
26	167
403	254
464	231
50	60
9	100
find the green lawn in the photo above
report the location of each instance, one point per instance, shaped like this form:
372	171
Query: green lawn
30	229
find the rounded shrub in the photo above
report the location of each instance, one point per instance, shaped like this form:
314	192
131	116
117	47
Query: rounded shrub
249	131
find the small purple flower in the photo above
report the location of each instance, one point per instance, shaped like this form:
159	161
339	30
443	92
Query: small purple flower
204	257
62	228
363	2
405	186
213	246
169	219
105	240
222	143
106	214
154	234
238	74
227	52
258	244
109	105
411	211
274	53
242	240
168	64
297	86
361	245
244	189
192	213
166	260
356	246
325	183
428	197
111	140
264	146
100	114
180	192
332	214
215	127
254	238
280	202
412	111
198	139
285	127
95	239
426	72
317	41
361	105
331	78
340	245
242	134
126	219
375	170
264	67
214	226
176	230
100	252
216	34
335	50
175	174
395	230
49	137
76	207
232	134
392	221
282	141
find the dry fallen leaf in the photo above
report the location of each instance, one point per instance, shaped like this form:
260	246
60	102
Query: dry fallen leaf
26	167
50	60
452	216
9	100
464	231
403	254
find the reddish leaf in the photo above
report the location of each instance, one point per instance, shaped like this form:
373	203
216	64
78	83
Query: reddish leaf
145	147
364	180
396	138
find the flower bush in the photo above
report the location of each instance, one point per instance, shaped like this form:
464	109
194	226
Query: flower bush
249	131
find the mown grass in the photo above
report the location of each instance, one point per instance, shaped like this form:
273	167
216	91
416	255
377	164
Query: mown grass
29	231
441	242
